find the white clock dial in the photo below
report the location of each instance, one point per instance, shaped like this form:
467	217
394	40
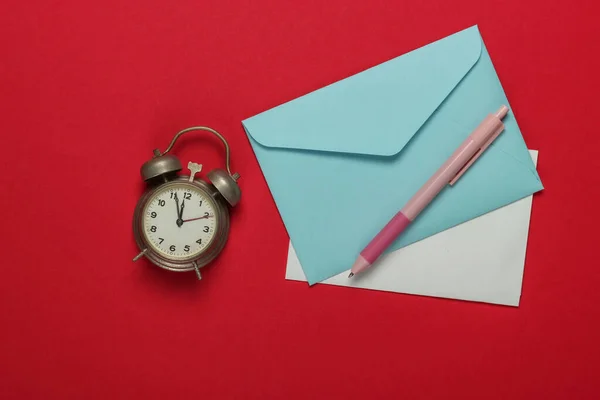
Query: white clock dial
179	221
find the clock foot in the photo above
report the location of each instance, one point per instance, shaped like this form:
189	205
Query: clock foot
140	255
197	271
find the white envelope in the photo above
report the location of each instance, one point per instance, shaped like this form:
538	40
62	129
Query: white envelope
480	260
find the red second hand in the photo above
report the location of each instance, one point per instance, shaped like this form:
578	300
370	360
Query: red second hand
194	219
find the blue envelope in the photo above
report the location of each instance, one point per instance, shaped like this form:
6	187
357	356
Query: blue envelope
342	160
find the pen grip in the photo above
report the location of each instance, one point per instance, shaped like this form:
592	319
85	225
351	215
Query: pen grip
385	237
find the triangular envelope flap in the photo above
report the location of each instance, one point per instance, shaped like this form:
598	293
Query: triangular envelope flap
377	111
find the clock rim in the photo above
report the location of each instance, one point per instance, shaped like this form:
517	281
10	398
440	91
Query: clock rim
209	253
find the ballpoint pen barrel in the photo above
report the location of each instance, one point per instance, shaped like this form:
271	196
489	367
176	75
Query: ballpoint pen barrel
446	173
449	172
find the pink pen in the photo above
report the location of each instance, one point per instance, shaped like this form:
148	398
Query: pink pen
453	168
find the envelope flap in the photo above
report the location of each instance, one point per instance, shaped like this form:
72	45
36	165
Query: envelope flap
377	111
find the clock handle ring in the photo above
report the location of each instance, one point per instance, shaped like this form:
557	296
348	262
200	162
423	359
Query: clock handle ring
205	128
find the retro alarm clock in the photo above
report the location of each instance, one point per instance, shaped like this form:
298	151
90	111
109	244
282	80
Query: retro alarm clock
181	223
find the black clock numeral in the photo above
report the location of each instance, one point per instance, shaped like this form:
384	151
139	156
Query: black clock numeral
153	214
206	229
161	240
187	196
186	248
200	203
199	241
161	202
173	194
153	228
206	214
172	248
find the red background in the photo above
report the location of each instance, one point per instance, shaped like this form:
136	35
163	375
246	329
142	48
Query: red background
88	89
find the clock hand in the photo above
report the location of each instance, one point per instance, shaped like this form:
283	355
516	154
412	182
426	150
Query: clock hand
179	221
195	219
181	211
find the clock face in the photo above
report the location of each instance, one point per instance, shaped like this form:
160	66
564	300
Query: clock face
179	221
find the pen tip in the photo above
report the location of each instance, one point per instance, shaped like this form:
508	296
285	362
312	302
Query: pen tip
351	275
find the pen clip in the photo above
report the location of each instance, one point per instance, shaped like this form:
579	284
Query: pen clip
476	156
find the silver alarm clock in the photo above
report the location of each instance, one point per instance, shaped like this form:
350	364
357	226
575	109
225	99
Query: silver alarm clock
181	223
